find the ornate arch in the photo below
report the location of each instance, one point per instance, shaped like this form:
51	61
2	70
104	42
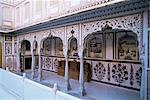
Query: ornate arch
58	32
20	42
21	38
132	22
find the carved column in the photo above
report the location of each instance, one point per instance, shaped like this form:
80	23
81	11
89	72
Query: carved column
40	65
144	57
33	63
68	87
18	60
81	55
81	77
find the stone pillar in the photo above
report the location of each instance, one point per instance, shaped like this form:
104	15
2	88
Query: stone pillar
40	66
68	87
33	63
18	60
81	77
144	57
65	49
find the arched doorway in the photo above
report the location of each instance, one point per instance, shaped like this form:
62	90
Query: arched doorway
0	55
26	58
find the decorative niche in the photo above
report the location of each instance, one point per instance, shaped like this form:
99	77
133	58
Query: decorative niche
128	47
73	47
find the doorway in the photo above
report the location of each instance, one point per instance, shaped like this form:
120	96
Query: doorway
28	62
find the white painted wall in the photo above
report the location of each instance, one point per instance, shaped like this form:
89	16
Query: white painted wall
6	16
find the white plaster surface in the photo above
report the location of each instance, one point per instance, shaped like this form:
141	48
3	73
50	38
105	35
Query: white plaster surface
6	95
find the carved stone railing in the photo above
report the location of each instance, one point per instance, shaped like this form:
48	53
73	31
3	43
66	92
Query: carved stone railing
121	73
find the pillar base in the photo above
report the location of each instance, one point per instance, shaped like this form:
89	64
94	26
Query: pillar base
39	78
82	91
32	77
68	86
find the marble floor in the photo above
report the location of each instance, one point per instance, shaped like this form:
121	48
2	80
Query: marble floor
94	90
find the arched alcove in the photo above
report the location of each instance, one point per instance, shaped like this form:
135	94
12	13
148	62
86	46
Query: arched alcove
73	47
25	46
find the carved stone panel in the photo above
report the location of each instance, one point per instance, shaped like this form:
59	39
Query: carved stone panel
11	63
15	47
8	38
73	31
99	71
119	73
8	48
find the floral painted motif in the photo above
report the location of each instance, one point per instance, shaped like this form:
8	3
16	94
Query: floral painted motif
99	71
138	76
119	73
